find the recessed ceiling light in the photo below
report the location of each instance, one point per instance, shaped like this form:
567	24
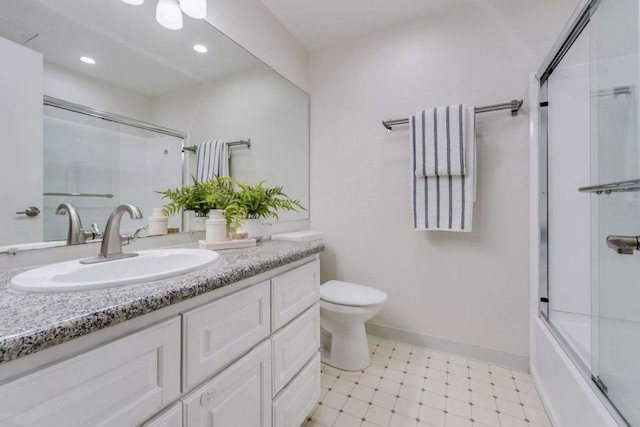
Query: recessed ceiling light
87	60
200	49
134	2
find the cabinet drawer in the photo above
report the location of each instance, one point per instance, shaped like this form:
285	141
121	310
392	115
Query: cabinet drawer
171	417
294	345
294	292
119	384
298	399
238	396
216	334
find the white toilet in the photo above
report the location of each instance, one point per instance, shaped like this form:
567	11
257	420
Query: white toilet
344	307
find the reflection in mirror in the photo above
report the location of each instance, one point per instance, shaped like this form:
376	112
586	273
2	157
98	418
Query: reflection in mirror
139	72
97	165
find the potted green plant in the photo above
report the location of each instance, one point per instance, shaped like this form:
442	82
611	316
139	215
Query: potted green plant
254	202
200	197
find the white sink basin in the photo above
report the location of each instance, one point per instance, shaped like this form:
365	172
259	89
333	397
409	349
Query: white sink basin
147	266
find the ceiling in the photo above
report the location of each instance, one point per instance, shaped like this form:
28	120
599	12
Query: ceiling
130	48
319	23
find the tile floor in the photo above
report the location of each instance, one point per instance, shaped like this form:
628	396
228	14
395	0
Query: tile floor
417	387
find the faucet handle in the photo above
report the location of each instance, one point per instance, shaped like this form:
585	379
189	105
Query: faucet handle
126	239
96	230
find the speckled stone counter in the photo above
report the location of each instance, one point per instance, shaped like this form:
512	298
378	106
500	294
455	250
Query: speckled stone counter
34	322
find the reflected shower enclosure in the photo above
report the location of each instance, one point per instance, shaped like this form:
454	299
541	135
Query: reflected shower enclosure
96	165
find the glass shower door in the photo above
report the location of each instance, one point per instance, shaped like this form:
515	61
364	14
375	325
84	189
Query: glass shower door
615	216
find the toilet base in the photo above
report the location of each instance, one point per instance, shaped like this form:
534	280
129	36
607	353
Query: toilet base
346	348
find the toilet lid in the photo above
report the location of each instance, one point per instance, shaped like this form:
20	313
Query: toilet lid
345	293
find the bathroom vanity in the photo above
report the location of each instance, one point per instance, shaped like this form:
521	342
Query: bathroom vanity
235	344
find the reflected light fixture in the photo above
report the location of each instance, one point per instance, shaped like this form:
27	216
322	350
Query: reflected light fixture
168	14
134	2
194	8
200	48
88	60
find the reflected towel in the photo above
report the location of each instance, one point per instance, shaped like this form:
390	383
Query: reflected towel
213	160
444	202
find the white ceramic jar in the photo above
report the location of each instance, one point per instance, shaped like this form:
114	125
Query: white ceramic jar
158	222
216	227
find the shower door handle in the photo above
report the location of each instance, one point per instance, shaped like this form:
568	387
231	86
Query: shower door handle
31	211
624	245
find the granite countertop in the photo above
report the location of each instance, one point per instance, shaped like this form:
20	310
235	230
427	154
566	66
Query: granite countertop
34	322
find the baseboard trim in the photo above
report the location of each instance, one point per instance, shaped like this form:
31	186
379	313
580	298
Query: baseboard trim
496	357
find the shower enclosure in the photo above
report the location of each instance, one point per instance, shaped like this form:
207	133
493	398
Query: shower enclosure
589	168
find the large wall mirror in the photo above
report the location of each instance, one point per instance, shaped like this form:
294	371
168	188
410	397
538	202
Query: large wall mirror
120	103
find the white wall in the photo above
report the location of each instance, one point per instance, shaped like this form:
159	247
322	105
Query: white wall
250	24
462	292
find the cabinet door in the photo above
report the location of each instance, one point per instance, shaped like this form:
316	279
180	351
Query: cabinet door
238	396
294	345
294	292
297	400
216	334
171	417
119	384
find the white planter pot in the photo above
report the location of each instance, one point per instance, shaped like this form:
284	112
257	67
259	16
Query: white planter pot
254	227
196	223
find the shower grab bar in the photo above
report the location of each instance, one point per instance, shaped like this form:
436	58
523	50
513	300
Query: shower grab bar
613	187
618	90
107	196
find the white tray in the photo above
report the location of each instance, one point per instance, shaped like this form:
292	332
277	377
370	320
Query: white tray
231	244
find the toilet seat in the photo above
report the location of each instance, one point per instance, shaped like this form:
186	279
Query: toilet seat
351	294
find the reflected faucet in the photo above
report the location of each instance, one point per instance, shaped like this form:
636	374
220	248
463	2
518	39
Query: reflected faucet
111	248
76	234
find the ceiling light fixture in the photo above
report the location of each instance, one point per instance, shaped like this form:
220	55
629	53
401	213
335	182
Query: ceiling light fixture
87	60
194	8
200	48
168	14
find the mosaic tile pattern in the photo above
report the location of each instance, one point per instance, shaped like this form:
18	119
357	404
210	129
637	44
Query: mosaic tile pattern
34	322
409	386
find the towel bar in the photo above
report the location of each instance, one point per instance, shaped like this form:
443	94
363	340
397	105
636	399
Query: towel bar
514	106
194	148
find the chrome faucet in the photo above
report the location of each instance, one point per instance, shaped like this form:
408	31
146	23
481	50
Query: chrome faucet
76	234
111	248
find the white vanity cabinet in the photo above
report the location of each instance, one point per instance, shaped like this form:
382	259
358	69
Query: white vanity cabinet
246	359
219	332
119	384
170	417
238	396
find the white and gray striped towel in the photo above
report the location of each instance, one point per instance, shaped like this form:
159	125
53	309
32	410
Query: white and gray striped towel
441	151
444	201
213	160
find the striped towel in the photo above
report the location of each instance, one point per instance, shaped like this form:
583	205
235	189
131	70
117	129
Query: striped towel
444	202
213	160
441	151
